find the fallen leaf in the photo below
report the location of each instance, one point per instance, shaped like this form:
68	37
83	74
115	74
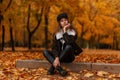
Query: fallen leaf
1	73
88	74
101	79
102	73
112	76
45	79
117	76
69	78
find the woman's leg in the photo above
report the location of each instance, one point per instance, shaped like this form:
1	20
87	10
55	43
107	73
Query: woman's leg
67	55
49	56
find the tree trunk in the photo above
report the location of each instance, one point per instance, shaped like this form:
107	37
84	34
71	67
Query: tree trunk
3	36
11	39
81	38
11	36
30	33
1	17
8	5
115	42
24	38
46	31
1	1
91	42
98	42
29	41
82	34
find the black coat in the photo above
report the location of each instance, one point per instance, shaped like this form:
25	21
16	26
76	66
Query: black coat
68	38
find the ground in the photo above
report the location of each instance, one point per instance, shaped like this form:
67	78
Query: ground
8	70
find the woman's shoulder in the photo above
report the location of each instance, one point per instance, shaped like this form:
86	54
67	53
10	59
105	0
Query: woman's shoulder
58	35
71	32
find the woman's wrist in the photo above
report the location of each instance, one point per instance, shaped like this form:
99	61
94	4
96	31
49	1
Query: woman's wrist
57	58
64	30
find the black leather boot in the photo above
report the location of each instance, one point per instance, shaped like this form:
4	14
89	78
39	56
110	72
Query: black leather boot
51	70
61	71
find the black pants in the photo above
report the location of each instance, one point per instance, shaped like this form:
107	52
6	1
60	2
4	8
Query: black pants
66	56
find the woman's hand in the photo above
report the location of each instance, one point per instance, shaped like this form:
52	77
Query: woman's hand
66	27
56	62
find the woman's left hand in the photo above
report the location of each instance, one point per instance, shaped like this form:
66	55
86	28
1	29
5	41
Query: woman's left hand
56	62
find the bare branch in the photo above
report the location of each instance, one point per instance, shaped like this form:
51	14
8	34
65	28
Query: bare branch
39	21
28	20
8	5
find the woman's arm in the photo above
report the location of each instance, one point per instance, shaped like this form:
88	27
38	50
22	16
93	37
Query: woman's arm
69	35
69	38
55	47
56	50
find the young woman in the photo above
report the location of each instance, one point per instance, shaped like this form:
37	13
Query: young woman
64	47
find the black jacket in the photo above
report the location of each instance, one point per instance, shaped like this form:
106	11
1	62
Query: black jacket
67	38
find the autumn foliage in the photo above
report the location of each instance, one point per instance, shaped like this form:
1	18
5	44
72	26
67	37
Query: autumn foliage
97	21
31	23
8	70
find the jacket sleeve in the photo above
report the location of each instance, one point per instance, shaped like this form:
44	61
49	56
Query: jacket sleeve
77	49
55	47
69	39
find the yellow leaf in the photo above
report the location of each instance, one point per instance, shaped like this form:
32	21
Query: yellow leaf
111	76
1	73
101	79
88	74
69	78
102	73
45	79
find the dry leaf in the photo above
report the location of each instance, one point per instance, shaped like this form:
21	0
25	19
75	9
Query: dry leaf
8	69
112	76
88	74
102	73
45	79
1	73
69	78
101	79
117	76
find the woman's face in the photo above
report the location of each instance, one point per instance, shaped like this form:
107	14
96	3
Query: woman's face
63	22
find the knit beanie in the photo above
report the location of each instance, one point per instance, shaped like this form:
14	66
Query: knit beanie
62	15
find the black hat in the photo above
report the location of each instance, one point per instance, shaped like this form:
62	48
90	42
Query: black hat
62	15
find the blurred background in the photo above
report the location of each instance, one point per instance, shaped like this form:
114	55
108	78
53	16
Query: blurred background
31	23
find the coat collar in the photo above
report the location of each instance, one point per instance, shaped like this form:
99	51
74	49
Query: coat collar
59	34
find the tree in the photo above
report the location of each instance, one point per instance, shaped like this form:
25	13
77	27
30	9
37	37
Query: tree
30	33
1	18
8	5
11	36
46	13
3	37
46	30
1	1
97	21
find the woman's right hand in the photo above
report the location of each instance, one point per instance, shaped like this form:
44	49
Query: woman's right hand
56	62
66	27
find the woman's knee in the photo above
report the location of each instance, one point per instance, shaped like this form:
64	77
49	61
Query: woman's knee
45	52
68	47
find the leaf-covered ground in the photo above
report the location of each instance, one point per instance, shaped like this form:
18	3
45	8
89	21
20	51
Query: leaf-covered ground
8	71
